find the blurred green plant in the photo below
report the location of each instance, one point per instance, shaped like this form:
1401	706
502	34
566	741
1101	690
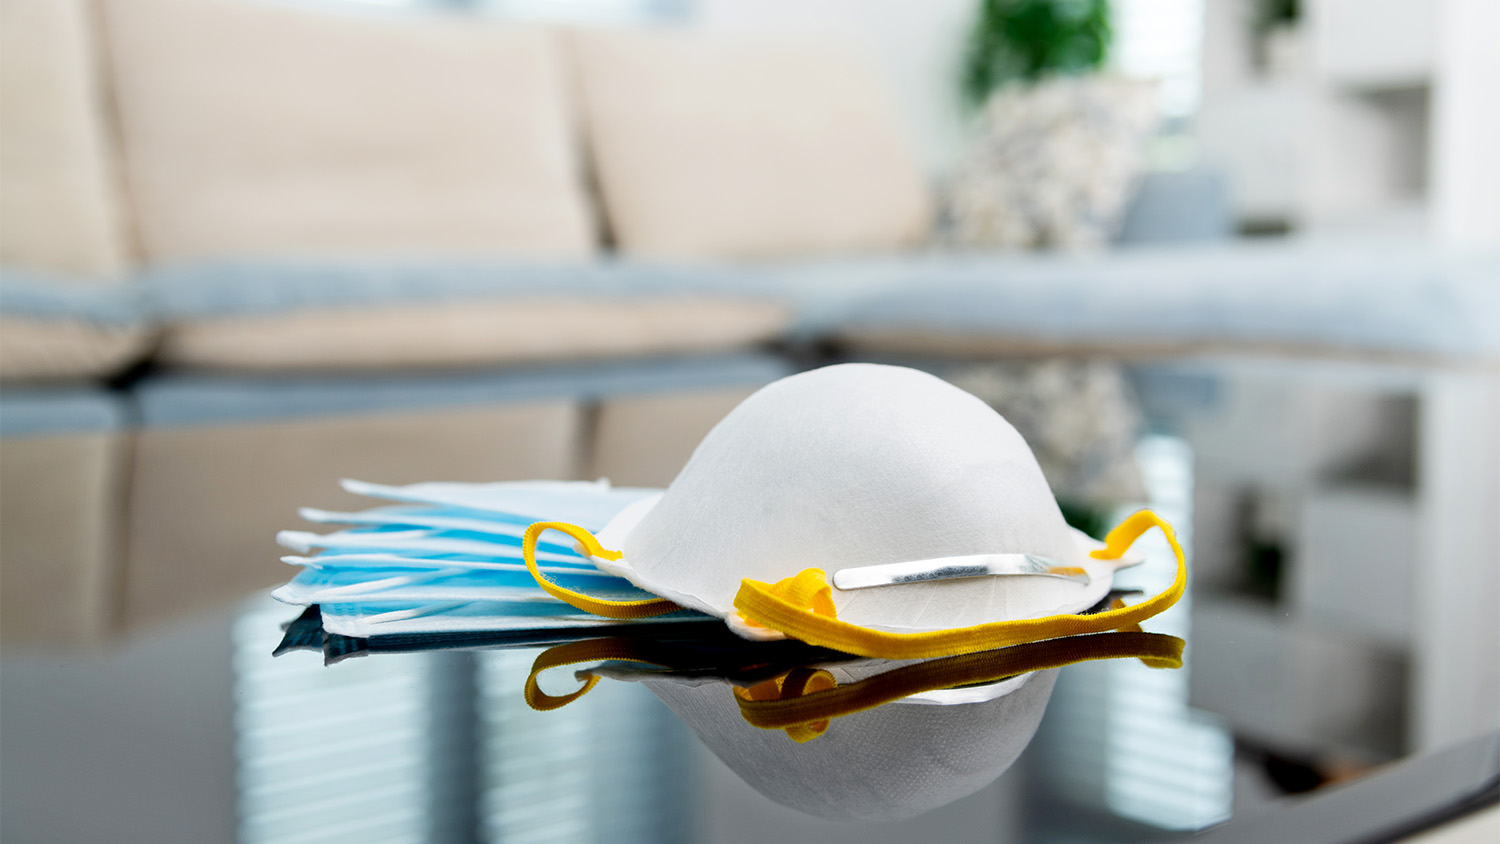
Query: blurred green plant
1025	40
1092	519
1271	14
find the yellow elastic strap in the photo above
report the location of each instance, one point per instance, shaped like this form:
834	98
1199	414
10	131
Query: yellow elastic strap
766	605
1119	603
814	708
573	653
597	606
808	589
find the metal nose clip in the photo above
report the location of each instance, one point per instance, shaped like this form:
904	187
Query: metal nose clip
952	568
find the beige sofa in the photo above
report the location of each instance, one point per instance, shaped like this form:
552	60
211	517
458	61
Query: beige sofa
250	248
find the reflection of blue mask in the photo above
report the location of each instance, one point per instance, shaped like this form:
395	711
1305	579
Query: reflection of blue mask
451	560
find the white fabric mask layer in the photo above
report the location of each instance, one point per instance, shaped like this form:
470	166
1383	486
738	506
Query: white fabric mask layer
417	516
589	504
423	543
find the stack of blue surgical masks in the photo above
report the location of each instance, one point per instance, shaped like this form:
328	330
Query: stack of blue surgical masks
445	558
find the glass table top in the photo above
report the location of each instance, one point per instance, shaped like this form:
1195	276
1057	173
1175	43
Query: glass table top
247	725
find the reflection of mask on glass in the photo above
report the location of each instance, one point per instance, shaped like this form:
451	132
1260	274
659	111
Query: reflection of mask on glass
884	764
862	739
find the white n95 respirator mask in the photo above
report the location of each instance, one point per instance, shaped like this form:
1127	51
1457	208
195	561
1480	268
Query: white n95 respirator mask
876	510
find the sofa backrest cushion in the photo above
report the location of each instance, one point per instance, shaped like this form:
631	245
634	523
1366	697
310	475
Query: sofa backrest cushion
59	208
717	146
51	330
302	316
254	128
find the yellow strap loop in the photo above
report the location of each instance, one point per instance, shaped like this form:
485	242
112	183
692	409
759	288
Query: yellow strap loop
764	604
597	606
815	707
573	653
793	684
807	589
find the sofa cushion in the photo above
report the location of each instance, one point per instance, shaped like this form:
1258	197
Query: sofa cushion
59	210
1394	300
709	145
393	315
255	128
467	334
52	329
45	350
194	400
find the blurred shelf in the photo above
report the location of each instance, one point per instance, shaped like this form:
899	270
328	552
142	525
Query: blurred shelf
1372	45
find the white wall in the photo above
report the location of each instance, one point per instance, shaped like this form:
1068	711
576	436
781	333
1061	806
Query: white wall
1466	125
